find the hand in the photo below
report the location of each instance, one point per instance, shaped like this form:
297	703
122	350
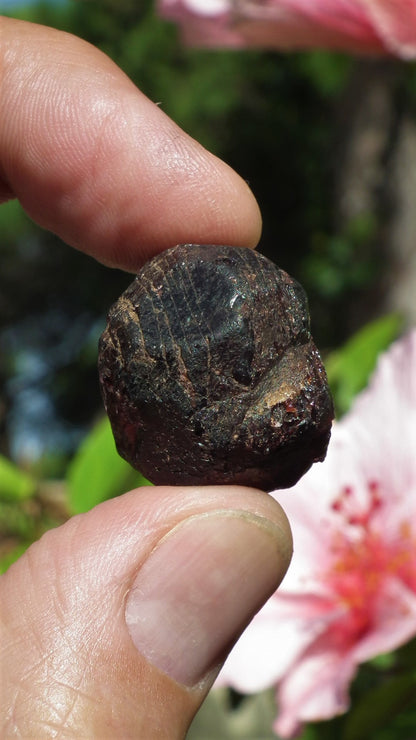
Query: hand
115	624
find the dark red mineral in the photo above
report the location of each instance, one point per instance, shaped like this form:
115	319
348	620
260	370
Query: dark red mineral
209	373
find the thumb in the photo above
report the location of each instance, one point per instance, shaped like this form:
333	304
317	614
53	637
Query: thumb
117	623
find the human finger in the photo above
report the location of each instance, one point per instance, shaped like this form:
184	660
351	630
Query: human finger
116	623
95	161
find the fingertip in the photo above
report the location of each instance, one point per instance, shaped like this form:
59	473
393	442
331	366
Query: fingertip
95	161
211	204
201	560
223	566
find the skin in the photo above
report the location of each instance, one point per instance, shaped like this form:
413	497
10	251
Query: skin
93	160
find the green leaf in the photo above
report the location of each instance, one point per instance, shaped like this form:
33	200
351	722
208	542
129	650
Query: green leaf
10	557
350	367
406	655
384	662
15	485
253	717
380	706
97	472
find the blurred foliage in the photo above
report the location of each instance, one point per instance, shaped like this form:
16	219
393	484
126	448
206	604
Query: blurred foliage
248	718
15	484
350	367
341	263
382	710
97	472
28	508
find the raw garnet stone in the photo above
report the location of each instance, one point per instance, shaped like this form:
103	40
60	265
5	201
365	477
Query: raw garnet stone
209	373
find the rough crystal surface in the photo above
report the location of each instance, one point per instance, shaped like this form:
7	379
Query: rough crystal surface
209	373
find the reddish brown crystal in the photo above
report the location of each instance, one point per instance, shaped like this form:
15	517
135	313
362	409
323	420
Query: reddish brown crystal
209	373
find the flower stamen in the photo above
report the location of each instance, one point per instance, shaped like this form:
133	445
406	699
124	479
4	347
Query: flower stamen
364	556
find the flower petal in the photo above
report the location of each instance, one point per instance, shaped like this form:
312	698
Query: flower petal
316	688
396	24
350	593
366	26
277	636
382	421
394	625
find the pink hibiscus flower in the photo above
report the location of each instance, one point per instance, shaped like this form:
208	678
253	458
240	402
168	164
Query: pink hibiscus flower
350	593
369	26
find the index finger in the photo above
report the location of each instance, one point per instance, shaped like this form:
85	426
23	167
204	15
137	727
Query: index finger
95	161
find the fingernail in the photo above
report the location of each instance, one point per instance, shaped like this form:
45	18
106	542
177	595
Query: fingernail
200	587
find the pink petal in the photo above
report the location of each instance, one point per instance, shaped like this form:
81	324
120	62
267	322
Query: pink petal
394	625
308	506
355	25
366	26
202	25
294	24
316	688
395	21
383	422
330	23
276	637
350	593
